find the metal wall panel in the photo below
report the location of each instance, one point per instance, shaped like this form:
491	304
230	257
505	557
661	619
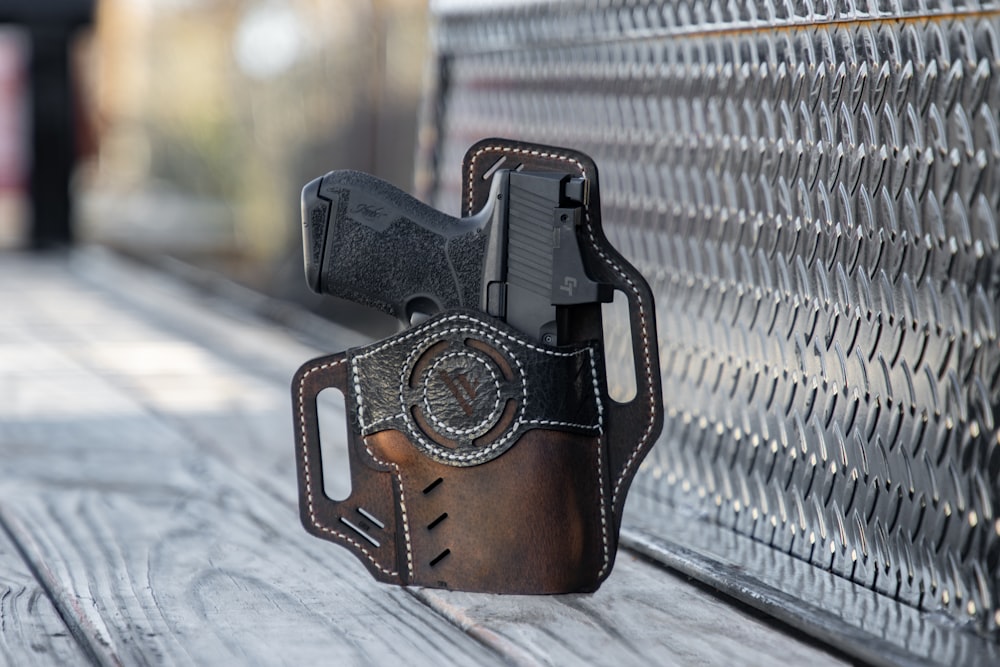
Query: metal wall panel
812	188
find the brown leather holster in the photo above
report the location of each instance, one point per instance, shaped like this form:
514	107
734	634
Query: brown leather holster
481	460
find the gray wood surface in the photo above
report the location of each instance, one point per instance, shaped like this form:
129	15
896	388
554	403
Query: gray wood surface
155	549
31	631
149	479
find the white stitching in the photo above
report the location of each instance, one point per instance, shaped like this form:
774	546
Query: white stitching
490	418
642	318
308	478
484	329
443	452
595	380
647	365
598	406
550	422
402	505
523	151
384	420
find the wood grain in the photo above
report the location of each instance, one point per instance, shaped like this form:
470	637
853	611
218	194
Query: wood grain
31	632
155	549
149	477
643	614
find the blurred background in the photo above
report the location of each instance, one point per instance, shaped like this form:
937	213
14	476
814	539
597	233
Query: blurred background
195	123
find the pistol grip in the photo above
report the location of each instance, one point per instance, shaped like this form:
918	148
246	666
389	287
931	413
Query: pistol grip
374	244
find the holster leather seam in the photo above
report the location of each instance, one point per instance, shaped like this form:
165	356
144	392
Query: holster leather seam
402	504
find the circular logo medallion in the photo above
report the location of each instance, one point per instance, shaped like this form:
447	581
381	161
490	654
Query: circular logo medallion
462	394
462	398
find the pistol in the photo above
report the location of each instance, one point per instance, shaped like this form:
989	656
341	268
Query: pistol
517	259
485	451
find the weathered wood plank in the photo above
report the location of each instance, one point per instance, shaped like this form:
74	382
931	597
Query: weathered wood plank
154	548
31	631
161	578
641	615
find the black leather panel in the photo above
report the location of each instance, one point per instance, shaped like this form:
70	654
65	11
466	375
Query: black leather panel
464	387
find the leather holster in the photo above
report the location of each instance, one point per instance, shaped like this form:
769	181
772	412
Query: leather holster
476	459
481	460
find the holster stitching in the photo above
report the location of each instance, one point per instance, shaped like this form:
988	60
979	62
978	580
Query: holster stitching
643	332
491	334
307	474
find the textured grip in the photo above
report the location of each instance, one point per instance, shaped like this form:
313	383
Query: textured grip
370	242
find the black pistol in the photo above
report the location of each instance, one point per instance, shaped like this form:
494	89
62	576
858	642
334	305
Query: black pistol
517	259
485	451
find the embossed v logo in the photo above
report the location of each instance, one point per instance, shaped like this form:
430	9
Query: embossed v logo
461	388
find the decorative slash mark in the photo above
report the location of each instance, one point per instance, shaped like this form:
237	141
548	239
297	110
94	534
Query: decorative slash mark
457	392
440	557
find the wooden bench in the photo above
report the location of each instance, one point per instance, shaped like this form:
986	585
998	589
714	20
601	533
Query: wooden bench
148	507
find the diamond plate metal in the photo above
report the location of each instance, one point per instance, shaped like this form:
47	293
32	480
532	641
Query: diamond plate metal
812	189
